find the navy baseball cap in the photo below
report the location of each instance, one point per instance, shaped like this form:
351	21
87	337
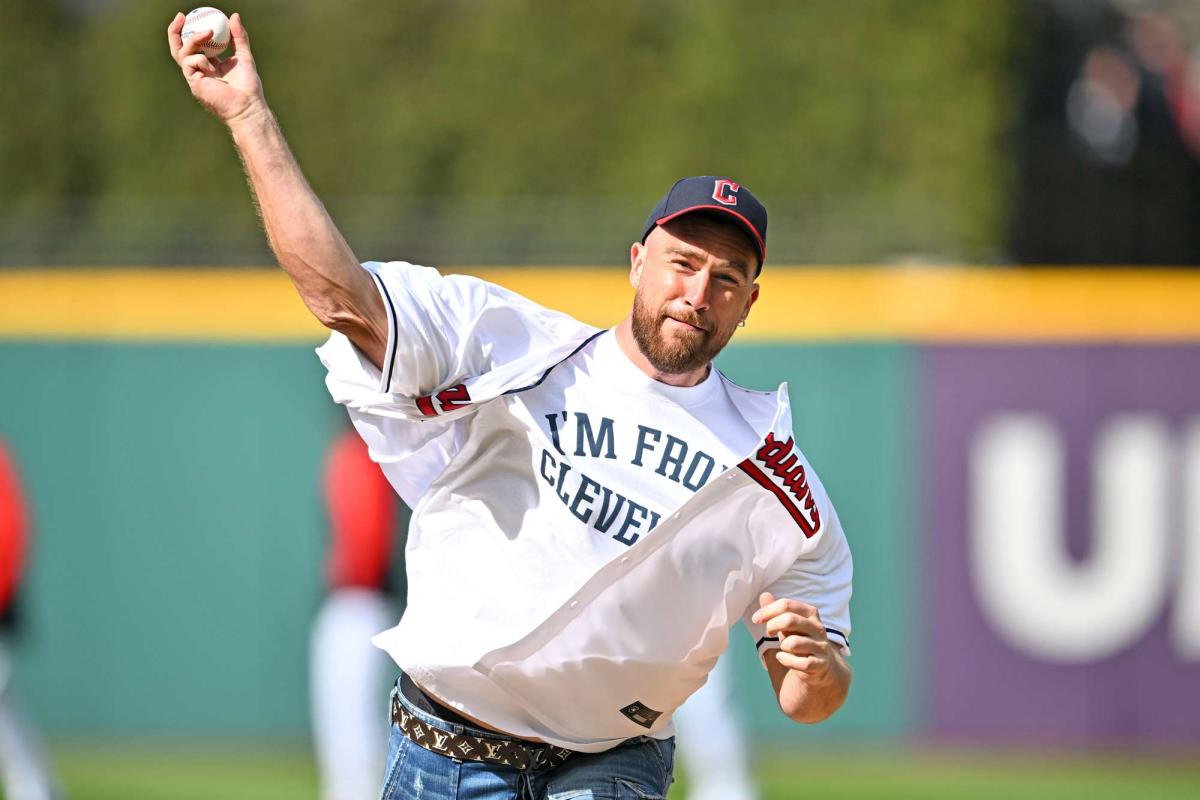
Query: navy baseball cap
714	193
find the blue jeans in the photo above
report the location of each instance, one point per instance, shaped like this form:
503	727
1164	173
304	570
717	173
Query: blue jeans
637	769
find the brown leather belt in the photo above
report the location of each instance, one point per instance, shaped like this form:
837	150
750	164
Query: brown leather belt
494	749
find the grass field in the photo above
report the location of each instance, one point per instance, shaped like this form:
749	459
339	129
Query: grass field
158	773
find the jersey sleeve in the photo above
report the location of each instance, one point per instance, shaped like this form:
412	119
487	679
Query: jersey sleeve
821	577
447	328
442	330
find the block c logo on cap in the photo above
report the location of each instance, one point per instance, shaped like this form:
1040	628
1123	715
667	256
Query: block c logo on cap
725	192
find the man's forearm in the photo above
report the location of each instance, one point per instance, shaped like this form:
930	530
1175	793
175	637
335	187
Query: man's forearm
808	701
307	244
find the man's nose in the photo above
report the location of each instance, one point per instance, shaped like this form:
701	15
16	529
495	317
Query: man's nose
696	290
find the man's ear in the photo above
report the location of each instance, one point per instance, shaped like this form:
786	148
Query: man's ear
749	304
637	257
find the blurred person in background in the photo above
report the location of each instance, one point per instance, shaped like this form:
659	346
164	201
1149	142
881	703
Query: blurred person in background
24	770
710	740
1108	153
348	673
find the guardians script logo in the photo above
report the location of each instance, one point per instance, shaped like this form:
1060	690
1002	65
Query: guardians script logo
782	460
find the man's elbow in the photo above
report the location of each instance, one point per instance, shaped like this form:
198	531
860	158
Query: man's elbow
338	311
370	338
339	317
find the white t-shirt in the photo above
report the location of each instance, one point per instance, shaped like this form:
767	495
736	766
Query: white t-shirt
627	449
519	503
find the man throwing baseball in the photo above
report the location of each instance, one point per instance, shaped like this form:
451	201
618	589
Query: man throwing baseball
593	510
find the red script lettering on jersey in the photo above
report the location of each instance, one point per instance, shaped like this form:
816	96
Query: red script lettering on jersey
783	461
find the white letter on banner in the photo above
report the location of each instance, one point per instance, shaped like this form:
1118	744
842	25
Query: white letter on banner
1185	621
1030	589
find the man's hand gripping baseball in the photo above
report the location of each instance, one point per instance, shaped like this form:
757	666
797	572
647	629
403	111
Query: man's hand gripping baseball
809	672
229	88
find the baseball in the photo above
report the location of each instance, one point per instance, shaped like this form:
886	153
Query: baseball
204	19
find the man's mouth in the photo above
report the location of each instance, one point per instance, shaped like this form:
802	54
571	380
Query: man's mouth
691	326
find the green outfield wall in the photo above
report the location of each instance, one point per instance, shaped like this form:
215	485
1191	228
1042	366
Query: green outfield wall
173	471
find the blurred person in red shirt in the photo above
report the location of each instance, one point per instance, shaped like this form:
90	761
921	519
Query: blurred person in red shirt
348	674
24	771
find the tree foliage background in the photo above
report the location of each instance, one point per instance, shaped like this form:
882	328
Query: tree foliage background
517	131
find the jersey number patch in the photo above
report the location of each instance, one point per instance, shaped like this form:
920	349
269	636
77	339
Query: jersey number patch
447	400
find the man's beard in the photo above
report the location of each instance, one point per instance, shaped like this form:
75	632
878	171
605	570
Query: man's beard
674	355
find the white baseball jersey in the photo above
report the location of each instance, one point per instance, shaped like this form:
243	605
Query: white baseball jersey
583	537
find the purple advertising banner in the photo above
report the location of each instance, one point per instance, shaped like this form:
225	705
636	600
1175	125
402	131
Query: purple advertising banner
1062	575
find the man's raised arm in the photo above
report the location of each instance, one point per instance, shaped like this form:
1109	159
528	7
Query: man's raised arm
307	244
